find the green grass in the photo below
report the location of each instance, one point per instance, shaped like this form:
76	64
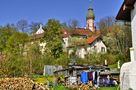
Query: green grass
59	87
108	88
42	79
113	66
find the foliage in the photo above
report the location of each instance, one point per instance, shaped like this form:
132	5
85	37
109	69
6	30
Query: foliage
5	33
23	58
118	41
62	60
117	38
99	59
75	41
16	42
53	37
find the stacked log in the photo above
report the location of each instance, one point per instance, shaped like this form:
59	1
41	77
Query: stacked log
20	84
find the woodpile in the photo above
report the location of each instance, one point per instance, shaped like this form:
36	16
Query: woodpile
20	84
88	86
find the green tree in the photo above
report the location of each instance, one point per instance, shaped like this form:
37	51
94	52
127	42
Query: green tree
53	37
5	33
16	43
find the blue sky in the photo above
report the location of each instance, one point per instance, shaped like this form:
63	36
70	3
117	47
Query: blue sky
41	10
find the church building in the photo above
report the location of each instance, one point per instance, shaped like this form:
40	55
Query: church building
83	41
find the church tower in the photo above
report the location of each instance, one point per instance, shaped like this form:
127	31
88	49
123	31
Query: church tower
90	19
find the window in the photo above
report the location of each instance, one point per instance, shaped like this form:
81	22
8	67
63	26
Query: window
102	49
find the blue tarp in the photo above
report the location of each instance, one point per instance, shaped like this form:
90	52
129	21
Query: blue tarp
84	77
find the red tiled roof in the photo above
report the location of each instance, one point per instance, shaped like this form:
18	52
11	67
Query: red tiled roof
77	31
92	39
81	31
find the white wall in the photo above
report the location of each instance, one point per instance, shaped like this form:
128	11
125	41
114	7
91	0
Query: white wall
65	42
82	51
133	26
128	76
98	45
128	70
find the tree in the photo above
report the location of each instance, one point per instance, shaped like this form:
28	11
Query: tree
22	25
73	23
34	26
5	33
53	37
118	40
106	22
34	59
16	43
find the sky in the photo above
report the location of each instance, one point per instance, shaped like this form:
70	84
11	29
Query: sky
12	11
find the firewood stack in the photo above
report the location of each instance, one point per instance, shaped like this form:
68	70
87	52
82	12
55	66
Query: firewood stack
88	86
20	84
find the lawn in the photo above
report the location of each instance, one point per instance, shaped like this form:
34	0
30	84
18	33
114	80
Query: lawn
108	88
42	79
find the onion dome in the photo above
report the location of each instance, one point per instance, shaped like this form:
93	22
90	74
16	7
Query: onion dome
90	14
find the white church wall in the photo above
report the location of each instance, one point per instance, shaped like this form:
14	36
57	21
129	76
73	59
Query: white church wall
133	26
128	76
97	47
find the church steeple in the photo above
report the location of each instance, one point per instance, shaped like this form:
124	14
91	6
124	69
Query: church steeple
90	14
90	19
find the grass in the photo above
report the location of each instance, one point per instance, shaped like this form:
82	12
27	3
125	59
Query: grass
113	66
108	88
42	79
59	87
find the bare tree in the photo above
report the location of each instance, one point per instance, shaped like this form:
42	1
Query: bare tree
73	23
22	25
34	26
106	22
